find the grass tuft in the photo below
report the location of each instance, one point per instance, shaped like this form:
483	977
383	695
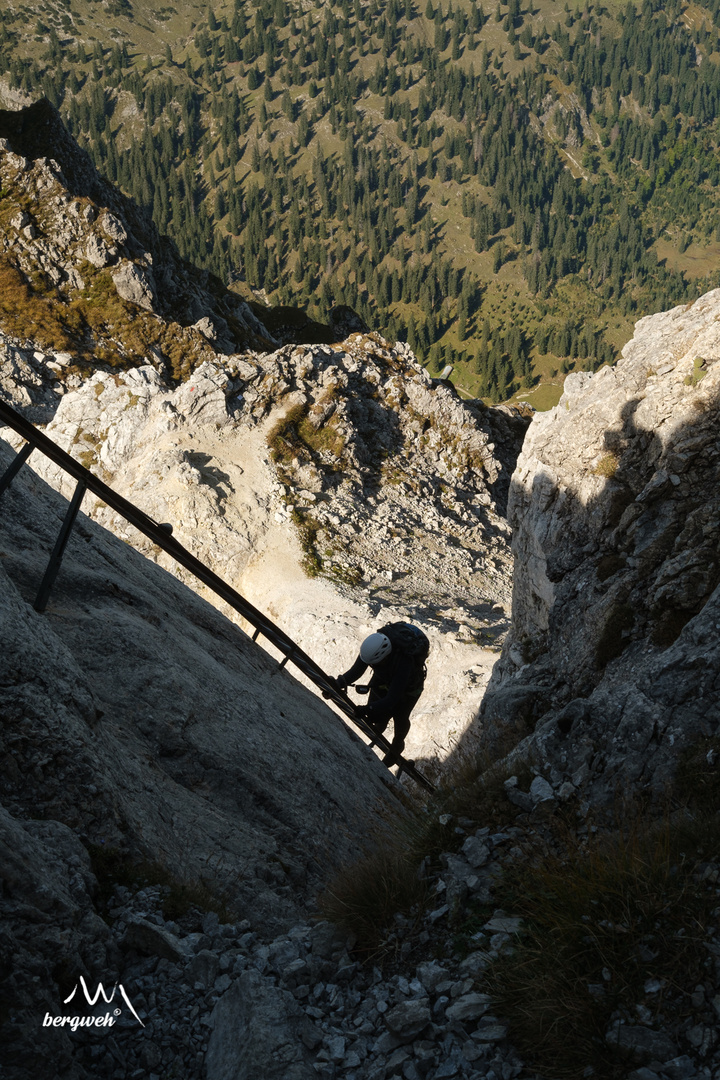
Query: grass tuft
698	372
601	919
297	436
308	529
364	897
607	466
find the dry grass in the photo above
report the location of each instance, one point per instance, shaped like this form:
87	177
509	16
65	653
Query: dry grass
607	466
295	435
600	920
602	912
25	313
364	897
308	529
96	325
545	397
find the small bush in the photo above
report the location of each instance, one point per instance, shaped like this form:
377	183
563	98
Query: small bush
348	575
283	440
308	529
698	372
86	458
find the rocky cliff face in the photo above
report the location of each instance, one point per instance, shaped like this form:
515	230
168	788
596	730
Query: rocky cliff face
340	460
133	705
84	270
138	720
335	484
345	463
613	658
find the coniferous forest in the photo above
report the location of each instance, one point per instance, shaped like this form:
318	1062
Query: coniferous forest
505	187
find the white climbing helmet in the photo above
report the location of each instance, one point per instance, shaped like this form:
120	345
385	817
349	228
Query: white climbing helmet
375	648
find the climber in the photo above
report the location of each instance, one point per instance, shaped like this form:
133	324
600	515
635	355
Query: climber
397	655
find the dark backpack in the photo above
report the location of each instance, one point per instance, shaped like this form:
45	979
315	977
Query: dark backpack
413	643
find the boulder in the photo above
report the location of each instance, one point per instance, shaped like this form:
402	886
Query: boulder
256	1033
408	1019
135	284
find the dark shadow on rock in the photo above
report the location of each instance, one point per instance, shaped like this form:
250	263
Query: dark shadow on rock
37	131
508	427
621	666
211	475
293	326
148	666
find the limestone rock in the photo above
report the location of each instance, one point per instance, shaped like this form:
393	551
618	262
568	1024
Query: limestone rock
615	506
468	1007
420	546
67	220
393	490
153	940
203	968
475	851
408	1020
255	1032
114	228
173	751
540	790
48	924
134	284
97	253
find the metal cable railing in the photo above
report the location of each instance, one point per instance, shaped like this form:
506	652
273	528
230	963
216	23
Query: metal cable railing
161	534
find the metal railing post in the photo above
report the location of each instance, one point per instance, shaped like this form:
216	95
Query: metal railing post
59	550
15	466
161	534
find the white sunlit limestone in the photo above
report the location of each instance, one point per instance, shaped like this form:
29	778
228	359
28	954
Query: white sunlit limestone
428	538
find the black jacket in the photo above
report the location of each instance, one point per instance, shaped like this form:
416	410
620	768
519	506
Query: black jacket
393	684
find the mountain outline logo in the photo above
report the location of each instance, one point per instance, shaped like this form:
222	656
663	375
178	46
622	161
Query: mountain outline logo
101	992
106	1020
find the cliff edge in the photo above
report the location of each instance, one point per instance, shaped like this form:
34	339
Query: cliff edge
611	666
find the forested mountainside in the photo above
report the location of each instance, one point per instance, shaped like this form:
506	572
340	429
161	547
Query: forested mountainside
506	187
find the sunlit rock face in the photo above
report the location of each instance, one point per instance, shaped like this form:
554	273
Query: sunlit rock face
337	486
614	652
335	456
